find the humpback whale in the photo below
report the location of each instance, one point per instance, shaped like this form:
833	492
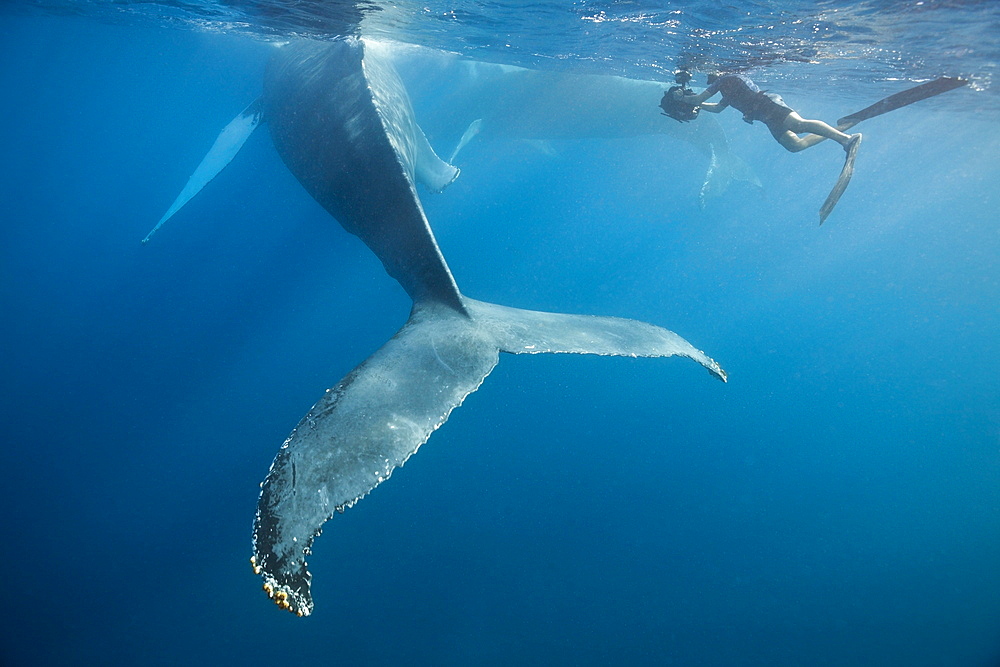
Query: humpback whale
508	102
343	124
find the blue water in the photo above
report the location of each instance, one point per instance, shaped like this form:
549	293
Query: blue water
836	503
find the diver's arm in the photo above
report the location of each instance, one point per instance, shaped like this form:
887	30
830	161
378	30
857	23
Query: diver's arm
700	97
714	107
695	100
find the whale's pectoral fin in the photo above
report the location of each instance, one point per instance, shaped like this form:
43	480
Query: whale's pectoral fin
724	168
713	185
368	424
226	146
430	170
475	127
532	332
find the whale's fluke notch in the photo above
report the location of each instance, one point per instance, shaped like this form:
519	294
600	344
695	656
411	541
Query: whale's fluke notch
226	146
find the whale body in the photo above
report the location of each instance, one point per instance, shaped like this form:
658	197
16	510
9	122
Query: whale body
504	102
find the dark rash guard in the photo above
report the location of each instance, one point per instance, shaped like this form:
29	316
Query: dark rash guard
743	95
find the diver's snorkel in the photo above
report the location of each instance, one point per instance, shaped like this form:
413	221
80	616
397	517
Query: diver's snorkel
683	77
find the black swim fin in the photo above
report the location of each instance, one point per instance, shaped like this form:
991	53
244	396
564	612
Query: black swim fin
842	181
902	99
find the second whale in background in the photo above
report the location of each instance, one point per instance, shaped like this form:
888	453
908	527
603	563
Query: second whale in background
493	101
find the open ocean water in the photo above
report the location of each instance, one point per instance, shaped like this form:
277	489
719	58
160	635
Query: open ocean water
836	503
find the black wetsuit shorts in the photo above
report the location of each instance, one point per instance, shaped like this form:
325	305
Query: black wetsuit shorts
772	111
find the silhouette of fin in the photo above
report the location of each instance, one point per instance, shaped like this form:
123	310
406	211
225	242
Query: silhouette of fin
430	170
226	146
722	171
470	132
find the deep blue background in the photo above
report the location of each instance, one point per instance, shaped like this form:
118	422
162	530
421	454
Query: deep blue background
838	502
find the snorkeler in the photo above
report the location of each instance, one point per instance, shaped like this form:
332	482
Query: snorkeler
683	104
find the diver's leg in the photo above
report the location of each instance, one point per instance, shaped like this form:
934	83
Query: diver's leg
794	144
816	128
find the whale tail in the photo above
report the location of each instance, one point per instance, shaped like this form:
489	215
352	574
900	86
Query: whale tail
374	419
226	146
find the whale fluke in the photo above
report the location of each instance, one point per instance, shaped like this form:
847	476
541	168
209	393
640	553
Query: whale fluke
378	416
